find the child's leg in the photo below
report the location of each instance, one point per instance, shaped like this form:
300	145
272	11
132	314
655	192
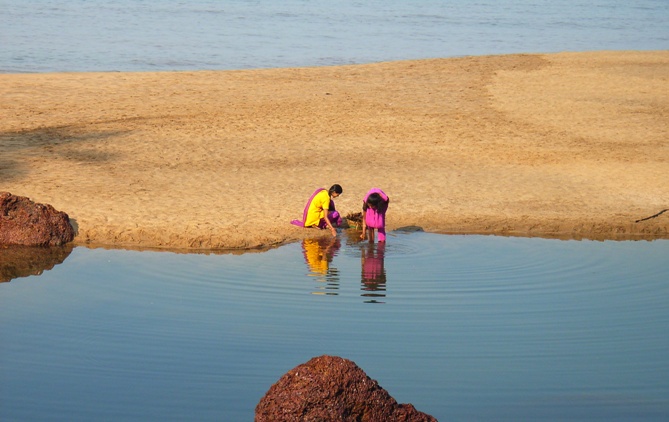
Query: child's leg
335	218
370	234
382	234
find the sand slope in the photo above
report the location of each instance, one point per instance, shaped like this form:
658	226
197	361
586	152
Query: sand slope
569	145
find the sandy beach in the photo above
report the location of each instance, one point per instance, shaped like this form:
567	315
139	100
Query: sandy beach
568	145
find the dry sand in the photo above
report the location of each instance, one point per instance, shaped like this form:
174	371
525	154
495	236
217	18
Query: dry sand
571	145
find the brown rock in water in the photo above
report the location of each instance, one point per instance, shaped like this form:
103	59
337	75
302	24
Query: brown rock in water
24	222
330	388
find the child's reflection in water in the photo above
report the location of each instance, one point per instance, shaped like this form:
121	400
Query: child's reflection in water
318	254
373	272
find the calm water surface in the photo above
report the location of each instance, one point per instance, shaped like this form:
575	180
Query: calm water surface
463	327
132	35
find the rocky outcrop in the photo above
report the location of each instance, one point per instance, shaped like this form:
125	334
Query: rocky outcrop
24	222
330	388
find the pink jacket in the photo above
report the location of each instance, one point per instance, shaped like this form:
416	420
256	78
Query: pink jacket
376	218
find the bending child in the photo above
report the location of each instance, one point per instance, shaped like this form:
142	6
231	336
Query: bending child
374	207
320	210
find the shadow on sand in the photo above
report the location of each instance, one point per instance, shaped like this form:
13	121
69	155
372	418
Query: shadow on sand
50	142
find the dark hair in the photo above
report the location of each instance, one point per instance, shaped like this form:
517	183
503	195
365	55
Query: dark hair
373	200
337	189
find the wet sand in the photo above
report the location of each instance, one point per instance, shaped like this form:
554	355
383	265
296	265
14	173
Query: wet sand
569	145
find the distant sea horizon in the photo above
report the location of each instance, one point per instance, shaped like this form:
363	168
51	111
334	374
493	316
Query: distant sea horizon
171	35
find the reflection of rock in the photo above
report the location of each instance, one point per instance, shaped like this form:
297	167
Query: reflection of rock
24	261
330	388
24	222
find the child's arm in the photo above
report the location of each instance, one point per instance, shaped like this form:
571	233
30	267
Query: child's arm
329	223
364	224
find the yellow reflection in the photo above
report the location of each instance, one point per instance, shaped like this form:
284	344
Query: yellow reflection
318	255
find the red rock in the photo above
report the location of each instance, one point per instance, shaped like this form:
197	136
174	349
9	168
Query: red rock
24	222
330	388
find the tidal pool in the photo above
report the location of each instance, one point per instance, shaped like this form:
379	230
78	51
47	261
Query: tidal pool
463	327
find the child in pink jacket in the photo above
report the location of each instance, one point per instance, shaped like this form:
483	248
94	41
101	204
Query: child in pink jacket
374	207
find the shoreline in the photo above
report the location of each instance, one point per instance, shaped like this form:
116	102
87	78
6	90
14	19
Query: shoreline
567	145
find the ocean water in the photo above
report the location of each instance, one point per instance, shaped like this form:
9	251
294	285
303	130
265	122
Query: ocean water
164	35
